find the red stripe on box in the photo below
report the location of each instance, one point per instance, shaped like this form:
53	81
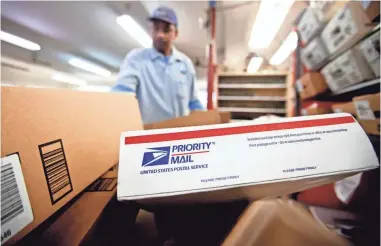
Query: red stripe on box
163	137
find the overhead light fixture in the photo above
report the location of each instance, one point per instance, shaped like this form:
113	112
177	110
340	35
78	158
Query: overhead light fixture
89	67
134	30
67	79
21	42
288	46
268	21
254	64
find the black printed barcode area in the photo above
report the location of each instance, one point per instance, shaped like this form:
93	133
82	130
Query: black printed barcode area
56	170
11	203
103	184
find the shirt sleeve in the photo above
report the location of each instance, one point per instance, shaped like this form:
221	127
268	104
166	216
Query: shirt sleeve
128	77
194	102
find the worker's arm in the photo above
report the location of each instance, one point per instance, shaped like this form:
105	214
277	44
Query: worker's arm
194	102
128	77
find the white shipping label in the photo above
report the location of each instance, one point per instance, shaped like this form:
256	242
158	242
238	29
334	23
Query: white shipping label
364	112
16	211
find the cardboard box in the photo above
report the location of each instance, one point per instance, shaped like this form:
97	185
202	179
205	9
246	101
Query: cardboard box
236	160
65	139
367	106
347	107
371	126
346	28
325	10
291	222
309	25
225	117
310	85
348	69
84	222
314	54
370	48
197	118
317	108
372	9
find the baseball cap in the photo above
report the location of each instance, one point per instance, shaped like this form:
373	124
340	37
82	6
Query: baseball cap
165	14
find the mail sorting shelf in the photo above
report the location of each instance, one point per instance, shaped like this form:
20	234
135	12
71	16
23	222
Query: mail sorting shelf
250	95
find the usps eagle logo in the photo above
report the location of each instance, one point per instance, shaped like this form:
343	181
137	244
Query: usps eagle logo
156	156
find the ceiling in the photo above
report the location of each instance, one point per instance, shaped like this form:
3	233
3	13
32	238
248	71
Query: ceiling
89	30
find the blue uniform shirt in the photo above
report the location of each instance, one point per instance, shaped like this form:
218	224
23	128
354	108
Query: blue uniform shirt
164	86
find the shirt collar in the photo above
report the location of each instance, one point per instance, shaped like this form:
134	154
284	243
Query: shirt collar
175	56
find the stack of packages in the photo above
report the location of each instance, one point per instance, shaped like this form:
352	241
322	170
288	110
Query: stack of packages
59	175
336	56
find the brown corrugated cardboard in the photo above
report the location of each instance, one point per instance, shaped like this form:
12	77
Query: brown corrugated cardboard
197	118
311	84
348	107
371	126
80	223
76	132
367	106
346	28
317	108
291	222
372	9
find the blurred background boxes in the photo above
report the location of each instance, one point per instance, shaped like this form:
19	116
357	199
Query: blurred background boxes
347	107
370	48
314	54
311	84
346	28
348	69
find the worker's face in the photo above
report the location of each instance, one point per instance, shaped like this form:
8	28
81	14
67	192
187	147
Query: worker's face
163	34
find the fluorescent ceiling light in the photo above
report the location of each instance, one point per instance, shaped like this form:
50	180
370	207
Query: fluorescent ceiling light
21	42
89	67
134	30
269	19
95	88
70	80
285	49
254	64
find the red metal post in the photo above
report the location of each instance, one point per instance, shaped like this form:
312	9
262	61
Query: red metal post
211	65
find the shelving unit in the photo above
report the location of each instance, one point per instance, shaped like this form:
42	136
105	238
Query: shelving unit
250	95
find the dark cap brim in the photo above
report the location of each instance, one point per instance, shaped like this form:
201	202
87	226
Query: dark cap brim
160	19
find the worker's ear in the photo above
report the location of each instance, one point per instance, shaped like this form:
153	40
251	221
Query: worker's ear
176	32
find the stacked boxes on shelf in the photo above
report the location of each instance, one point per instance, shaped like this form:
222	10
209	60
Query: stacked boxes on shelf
347	27
247	96
344	54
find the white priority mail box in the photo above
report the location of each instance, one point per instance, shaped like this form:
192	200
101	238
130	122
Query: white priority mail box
309	25
241	160
314	54
347	27
348	69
